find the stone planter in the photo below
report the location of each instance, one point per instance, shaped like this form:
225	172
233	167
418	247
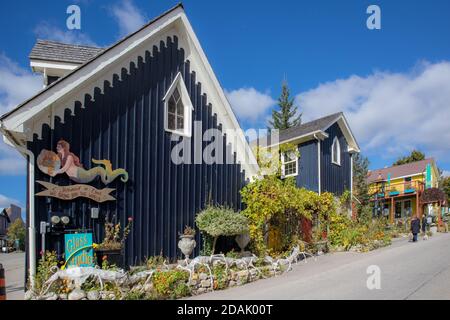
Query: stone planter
187	245
243	240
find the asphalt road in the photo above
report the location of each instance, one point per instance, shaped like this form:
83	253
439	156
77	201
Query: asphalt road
407	271
14	264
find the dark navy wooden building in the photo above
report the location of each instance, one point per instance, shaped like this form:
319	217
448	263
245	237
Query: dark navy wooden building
326	147
132	103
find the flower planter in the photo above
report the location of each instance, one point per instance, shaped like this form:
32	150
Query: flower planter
113	257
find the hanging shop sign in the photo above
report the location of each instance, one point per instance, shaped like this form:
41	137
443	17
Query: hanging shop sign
65	162
78	250
75	191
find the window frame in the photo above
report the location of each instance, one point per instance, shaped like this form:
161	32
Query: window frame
283	166
179	84
338	149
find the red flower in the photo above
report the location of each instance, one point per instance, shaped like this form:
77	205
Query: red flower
130	219
105	258
41	253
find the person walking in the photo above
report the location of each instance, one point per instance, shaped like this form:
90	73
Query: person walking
415	227
424	225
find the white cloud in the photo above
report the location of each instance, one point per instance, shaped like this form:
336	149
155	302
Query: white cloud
446	173
249	103
128	16
16	85
390	113
6	202
49	32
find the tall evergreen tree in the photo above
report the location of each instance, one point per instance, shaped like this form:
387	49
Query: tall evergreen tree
360	172
287	116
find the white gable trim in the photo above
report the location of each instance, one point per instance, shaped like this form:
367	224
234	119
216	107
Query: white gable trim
353	146
29	117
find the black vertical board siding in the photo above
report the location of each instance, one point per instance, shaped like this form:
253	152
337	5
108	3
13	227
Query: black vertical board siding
124	123
334	178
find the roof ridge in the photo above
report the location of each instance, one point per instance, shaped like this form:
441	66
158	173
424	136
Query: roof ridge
401	165
312	121
69	44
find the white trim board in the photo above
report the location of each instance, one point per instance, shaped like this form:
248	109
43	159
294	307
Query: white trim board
29	117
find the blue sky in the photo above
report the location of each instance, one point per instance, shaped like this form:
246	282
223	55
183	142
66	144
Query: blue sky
393	84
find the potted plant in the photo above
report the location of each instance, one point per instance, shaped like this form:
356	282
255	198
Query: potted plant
111	249
187	242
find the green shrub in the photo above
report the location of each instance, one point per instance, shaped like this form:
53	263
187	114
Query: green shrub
47	264
171	284
220	221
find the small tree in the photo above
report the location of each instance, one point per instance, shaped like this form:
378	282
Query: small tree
413	157
287	116
360	186
446	186
16	231
220	221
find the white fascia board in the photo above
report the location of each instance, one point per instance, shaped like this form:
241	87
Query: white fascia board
319	134
345	128
84	80
222	107
80	77
38	65
402	177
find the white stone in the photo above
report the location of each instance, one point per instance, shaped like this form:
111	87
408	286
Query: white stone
93	295
203	276
148	287
77	294
205	284
29	295
52	296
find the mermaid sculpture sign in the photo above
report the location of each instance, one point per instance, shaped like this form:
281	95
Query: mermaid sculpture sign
65	162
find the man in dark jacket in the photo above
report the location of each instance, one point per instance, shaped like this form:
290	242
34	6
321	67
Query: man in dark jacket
415	227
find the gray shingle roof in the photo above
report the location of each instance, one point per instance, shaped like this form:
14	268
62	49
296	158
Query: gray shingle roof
309	127
63	52
301	130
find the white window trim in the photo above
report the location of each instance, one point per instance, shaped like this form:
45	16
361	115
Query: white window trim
338	162
187	104
283	175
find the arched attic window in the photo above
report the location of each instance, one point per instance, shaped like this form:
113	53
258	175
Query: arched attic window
178	109
336	152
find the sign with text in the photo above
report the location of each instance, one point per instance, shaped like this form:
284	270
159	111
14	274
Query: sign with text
76	191
78	250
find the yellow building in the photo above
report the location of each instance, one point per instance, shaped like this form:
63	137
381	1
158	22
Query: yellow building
396	191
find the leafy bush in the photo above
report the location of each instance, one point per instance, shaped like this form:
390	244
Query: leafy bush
16	231
271	202
171	284
220	221
46	267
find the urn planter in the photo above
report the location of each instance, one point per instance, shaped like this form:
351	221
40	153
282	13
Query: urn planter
243	240
187	245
